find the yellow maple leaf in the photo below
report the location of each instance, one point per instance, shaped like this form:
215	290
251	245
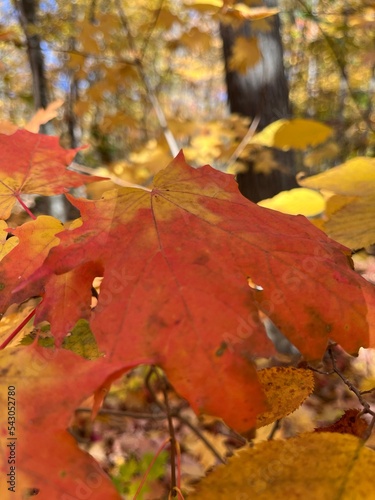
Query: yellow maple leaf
351	212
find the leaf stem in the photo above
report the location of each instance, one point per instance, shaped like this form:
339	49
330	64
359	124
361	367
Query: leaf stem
25	207
202	438
147	471
172	435
116	180
249	134
18	329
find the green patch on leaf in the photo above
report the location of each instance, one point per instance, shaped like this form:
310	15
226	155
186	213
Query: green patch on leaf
80	341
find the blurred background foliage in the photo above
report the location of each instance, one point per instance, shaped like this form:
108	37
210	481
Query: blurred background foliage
139	80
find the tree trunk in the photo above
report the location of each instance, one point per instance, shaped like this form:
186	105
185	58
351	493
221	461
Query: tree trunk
57	206
27	13
263	92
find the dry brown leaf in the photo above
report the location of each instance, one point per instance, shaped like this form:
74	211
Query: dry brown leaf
286	388
350	423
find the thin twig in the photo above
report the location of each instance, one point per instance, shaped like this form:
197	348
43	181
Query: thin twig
236	435
321	372
147	471
242	145
96	57
349	384
172	143
172	436
178	457
124	413
274	429
150	389
369	430
116	180
357	392
369	391
201	437
173	413
151	30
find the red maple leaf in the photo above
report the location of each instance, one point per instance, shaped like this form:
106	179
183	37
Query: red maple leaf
34	164
177	265
177	262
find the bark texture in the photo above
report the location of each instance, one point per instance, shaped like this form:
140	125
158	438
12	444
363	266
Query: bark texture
262	91
27	13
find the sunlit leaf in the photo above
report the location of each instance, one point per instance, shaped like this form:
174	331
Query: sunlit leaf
310	466
296	201
293	134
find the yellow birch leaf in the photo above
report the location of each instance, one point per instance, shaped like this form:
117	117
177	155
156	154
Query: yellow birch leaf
242	12
334	203
351	212
293	134
205	6
286	388
354	224
298	201
245	54
311	466
355	177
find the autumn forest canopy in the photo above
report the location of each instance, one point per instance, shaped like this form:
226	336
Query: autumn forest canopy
187	249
